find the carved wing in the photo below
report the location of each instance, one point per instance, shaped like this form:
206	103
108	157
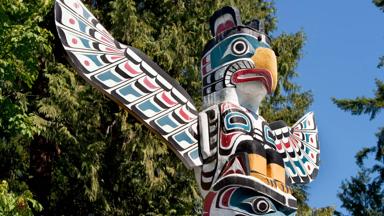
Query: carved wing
299	147
130	78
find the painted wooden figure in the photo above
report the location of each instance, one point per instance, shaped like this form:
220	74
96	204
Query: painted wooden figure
243	165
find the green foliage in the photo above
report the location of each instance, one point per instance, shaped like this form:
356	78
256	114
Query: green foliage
300	194
379	4
327	211
25	50
364	105
363	194
77	151
14	205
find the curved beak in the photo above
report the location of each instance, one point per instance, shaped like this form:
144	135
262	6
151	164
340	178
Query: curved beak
265	59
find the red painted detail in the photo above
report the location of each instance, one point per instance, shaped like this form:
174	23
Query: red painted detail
168	100
309	123
204	62
312	156
293	142
110	49
130	69
204	70
278	146
309	168
74	40
184	114
208	203
227	106
240	171
227	166
115	57
86	62
225	26
149	83
226	196
248	75
311	140
226	140
104	39
72	21
229	172
287	145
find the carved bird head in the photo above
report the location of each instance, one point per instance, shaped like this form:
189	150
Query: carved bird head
238	64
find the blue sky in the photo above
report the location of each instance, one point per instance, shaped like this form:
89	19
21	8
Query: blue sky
344	41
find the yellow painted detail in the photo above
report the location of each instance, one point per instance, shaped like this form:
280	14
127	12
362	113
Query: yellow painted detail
265	58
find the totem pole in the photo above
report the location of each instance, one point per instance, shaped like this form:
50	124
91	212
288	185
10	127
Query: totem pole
243	165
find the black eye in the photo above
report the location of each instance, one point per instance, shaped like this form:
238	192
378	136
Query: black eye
260	206
239	47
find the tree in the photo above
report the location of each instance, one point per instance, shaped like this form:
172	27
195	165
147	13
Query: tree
77	151
379	4
363	194
13	205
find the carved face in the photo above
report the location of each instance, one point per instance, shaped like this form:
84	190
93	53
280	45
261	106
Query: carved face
242	174
236	196
237	56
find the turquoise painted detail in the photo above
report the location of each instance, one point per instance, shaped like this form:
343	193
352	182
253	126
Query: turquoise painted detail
85	42
108	76
242	198
289	165
298	165
184	137
129	90
194	154
95	60
307	150
148	105
86	14
82	26
307	137
266	135
166	120
222	53
231	126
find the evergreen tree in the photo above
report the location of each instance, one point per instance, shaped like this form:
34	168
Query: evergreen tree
379	3
77	151
363	194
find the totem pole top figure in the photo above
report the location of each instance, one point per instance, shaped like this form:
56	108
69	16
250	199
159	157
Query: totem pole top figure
243	165
238	65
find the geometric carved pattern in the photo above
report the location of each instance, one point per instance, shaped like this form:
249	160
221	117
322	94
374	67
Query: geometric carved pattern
130	78
299	147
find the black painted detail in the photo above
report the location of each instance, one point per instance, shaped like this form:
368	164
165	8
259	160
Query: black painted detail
277	125
274	157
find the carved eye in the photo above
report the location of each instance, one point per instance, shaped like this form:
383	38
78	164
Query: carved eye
239	47
261	206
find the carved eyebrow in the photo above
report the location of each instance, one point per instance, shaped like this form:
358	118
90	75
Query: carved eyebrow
236	30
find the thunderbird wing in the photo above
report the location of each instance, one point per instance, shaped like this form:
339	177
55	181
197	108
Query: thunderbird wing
130	78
